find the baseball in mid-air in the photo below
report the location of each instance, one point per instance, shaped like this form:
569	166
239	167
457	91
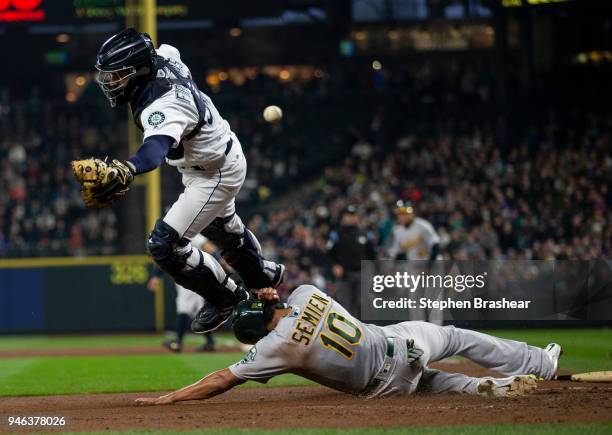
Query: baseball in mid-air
273	114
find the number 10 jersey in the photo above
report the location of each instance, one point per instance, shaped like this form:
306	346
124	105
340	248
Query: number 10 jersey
318	340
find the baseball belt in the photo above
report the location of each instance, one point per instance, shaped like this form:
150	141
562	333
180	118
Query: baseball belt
385	371
228	148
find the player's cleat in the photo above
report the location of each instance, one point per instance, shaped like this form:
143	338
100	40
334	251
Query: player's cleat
172	345
507	387
279	276
554	352
210	318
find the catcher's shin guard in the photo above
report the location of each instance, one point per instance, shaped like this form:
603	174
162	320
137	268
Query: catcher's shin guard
191	268
240	248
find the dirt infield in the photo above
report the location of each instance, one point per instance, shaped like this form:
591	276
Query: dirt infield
310	407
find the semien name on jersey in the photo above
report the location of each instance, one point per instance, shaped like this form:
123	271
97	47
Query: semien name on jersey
310	318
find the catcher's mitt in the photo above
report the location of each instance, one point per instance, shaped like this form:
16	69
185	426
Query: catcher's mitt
102	184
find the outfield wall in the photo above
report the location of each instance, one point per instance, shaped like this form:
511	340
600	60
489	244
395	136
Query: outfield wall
102	294
78	295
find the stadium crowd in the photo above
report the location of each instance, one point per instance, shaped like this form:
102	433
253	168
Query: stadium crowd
542	192
41	211
547	197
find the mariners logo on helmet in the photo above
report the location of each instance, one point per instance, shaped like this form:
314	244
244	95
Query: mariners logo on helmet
156	118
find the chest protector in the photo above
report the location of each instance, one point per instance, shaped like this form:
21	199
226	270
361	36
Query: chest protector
158	87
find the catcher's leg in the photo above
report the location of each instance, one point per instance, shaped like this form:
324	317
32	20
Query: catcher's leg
197	271
217	217
207	195
208	204
241	249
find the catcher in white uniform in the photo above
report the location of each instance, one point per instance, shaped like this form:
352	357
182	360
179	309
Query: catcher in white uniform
315	337
181	124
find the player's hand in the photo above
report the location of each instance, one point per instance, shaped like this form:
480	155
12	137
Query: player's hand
154	283
268	294
414	353
148	401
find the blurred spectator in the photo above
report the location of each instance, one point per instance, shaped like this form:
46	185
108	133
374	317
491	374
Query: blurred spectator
492	185
347	246
41	212
548	197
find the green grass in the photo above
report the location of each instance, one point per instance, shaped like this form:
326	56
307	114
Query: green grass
114	374
585	350
22	342
502	429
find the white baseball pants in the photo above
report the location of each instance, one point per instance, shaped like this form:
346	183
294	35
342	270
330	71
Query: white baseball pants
209	194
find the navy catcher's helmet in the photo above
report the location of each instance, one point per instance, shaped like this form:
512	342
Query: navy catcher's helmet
249	321
124	62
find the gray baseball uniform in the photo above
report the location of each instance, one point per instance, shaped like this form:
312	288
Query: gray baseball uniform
321	341
422	236
421	233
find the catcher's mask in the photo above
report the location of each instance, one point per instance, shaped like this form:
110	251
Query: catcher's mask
124	61
249	320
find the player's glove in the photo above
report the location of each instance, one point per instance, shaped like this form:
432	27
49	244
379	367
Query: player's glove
102	183
414	353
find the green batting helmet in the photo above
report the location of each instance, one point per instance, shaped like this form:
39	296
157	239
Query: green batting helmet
248	321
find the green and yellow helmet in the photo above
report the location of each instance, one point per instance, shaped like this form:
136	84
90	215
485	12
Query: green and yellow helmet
403	208
248	321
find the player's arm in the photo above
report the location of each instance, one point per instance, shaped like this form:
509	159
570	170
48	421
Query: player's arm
151	154
212	385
